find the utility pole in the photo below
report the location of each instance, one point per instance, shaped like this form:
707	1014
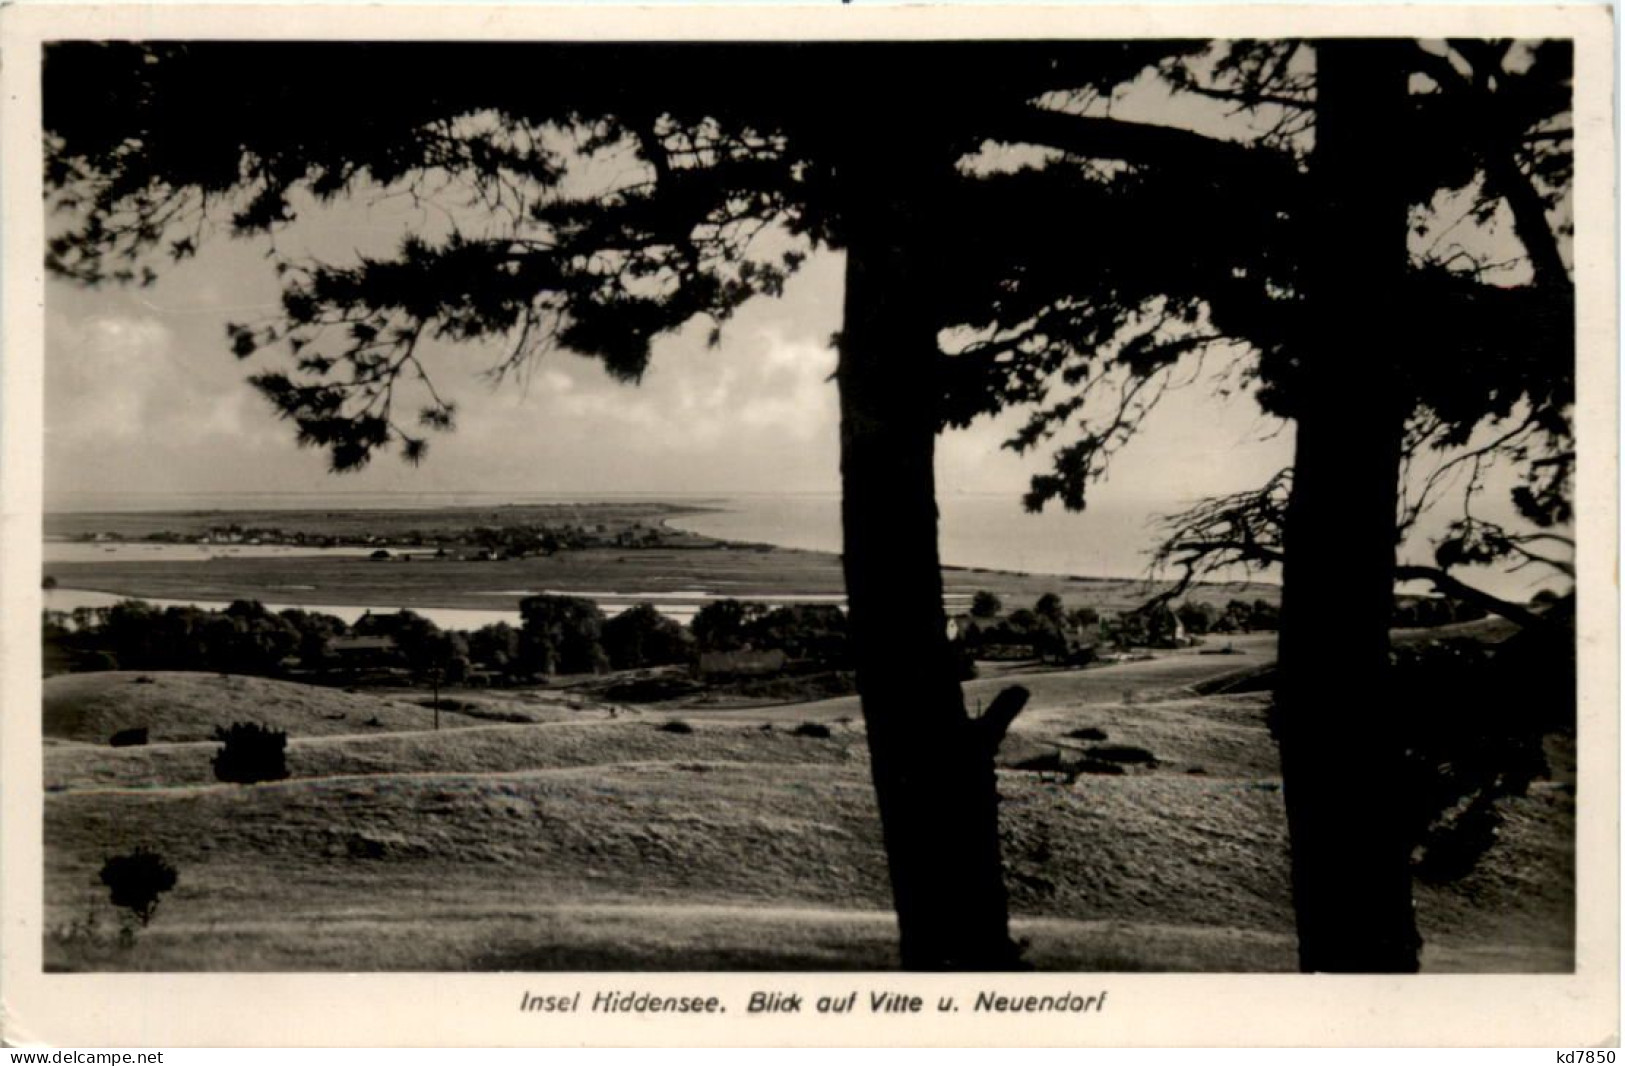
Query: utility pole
434	681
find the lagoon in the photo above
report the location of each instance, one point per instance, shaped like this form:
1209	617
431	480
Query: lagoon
468	618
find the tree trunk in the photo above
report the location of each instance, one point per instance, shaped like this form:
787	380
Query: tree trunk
932	766
1340	752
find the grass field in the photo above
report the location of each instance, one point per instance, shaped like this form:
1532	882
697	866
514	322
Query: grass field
591	838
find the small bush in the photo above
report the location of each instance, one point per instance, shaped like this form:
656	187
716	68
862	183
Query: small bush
1088	732
129	738
135	881
448	704
143	680
675	726
251	753
811	729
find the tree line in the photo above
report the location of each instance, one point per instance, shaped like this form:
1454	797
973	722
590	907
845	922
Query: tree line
572	635
556	635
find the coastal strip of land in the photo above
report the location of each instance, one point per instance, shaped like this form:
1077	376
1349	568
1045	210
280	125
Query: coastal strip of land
462	558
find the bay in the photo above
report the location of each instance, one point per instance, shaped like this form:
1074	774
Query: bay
990	532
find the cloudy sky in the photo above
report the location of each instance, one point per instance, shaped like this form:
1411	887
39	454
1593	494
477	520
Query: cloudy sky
143	396
145	401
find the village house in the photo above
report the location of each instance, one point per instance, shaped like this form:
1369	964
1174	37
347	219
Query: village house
364	653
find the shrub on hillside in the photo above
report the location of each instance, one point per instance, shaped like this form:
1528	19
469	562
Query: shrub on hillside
129	738
1122	753
249	753
135	881
676	725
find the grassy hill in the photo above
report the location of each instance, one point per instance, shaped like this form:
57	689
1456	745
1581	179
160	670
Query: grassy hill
606	841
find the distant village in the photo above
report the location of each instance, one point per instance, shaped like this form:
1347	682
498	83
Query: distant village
1050	632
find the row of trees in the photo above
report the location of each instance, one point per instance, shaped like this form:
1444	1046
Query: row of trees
1075	283
566	635
1050	615
242	639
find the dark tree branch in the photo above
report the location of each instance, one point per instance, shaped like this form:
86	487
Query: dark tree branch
1243	529
1505	177
1249	100
1454	587
995	722
1145	145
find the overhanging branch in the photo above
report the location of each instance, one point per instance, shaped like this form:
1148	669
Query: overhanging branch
1451	586
1145	144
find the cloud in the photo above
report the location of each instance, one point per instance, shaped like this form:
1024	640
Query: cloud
103	373
794	395
143	394
757	387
